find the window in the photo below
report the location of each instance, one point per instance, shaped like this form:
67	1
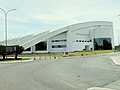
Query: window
76	40
64	40
102	44
82	34
59	46
28	49
79	40
41	46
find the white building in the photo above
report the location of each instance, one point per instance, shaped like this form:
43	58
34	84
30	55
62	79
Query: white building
94	35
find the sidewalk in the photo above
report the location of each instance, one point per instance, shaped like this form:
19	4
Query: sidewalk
116	59
15	61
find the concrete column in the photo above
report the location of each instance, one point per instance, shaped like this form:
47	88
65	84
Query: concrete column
33	49
49	45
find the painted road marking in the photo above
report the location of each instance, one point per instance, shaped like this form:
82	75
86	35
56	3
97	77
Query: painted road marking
67	84
116	60
98	88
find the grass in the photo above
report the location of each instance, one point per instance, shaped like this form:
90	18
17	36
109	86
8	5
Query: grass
47	54
60	55
82	53
76	53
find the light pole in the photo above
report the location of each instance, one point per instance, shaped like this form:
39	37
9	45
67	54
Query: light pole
118	38
6	13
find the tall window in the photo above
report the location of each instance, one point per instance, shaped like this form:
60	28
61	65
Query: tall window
28	49
41	46
102	44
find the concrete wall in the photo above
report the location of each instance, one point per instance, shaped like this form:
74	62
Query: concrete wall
59	39
80	39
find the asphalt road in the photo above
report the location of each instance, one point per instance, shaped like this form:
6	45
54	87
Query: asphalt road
79	73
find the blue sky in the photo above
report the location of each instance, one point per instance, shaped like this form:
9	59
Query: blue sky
32	16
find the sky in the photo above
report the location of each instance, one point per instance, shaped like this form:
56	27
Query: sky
34	16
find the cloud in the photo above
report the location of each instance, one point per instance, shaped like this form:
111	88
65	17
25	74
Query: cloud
39	15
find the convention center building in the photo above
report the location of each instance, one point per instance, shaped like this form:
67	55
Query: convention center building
95	35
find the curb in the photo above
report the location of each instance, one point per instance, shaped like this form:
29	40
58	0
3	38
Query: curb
15	61
115	61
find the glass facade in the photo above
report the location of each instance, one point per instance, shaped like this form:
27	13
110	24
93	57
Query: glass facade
102	44
28	49
41	46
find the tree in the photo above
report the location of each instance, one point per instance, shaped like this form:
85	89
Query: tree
11	50
19	49
2	51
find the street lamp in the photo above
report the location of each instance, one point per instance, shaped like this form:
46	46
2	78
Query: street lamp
6	13
118	39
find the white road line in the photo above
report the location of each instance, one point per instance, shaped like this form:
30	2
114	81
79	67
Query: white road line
67	84
99	88
115	61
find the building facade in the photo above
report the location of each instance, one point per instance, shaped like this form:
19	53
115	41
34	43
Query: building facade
96	35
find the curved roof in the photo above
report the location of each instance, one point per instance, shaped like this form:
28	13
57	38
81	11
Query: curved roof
32	39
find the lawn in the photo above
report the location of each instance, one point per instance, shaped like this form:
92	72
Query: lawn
76	53
60	55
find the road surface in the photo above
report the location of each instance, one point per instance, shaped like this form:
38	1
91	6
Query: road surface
78	73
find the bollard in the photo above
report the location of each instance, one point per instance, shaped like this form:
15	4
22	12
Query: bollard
34	58
39	58
54	57
81	54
